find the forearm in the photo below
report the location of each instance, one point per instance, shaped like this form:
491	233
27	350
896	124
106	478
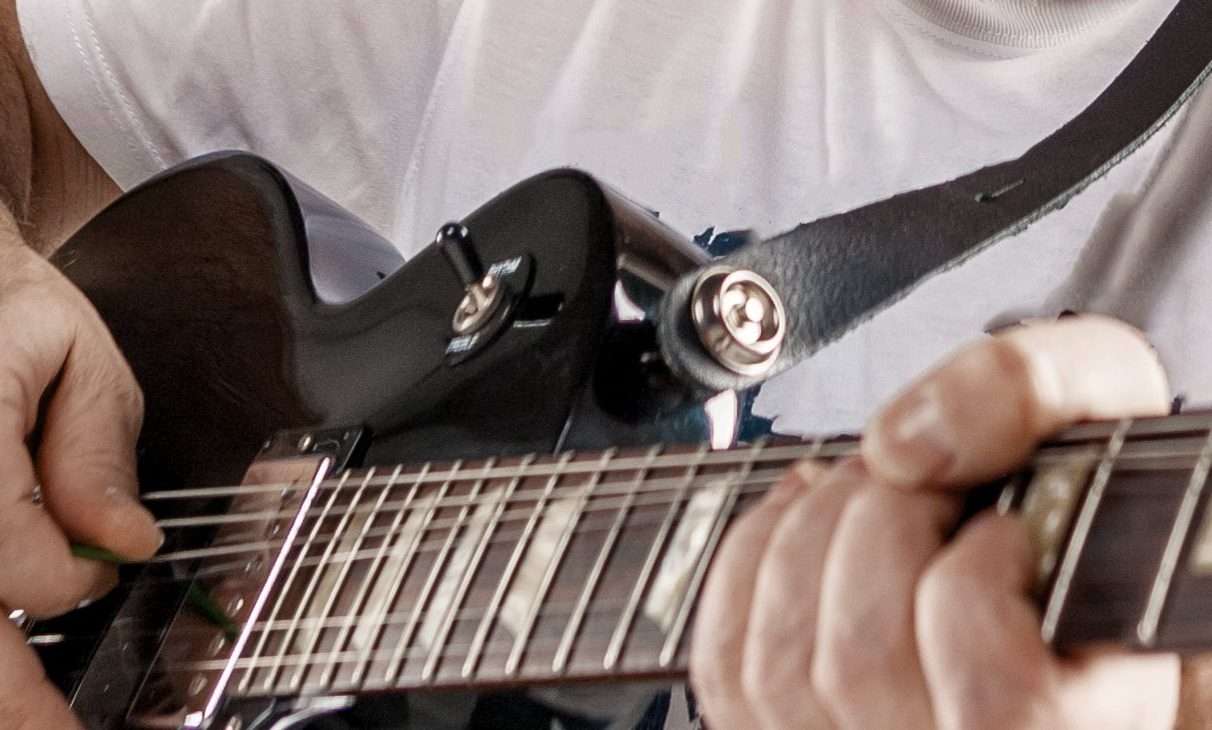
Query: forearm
48	182
16	137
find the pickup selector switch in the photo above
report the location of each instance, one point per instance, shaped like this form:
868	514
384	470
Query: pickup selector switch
483	293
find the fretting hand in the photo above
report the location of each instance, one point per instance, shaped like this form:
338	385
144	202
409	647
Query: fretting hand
837	603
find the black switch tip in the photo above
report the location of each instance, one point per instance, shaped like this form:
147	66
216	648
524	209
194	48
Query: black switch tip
455	241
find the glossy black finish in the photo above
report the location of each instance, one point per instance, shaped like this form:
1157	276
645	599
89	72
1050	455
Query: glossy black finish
205	277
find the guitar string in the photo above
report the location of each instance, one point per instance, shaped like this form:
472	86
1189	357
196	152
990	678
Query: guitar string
305	604
498	648
589	636
615	489
583	528
545	469
600	523
1077	440
442	651
733	457
1128	460
464	615
752	486
284	589
606	523
227	548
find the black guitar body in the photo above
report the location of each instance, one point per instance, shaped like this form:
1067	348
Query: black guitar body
250	306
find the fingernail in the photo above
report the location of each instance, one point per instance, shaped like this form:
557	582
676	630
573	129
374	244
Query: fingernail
123	499
914	442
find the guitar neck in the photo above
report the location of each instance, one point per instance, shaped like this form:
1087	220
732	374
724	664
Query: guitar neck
588	566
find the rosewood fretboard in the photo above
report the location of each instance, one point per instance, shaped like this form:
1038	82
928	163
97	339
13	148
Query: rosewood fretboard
588	566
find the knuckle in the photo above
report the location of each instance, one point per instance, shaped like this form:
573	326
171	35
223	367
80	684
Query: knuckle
22	577
869	507
46	598
831	685
30	300
16	405
1006	360
771	675
936	589
846	663
708	680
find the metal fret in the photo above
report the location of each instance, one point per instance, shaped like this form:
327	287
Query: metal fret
1146	630
316	576
275	569
290	578
674	638
560	663
1186	422
553	565
494	605
1081	530
658	543
395	666
397	580
326	673
466	578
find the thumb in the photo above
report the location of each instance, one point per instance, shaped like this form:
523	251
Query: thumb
86	455
984	410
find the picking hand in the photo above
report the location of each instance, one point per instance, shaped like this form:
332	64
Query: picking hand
70	412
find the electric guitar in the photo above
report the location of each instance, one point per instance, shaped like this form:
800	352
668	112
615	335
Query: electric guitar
475	469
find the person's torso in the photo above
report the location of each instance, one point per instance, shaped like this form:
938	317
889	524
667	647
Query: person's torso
718	114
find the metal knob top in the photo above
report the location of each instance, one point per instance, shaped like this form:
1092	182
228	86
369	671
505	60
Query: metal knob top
739	318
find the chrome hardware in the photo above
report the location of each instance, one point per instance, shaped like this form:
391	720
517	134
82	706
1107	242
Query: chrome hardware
739	318
197	701
307	708
338	443
483	292
478	305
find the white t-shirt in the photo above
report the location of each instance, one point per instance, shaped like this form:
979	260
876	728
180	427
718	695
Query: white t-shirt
717	113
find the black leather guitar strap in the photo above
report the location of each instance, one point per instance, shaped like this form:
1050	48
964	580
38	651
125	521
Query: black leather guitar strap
838	271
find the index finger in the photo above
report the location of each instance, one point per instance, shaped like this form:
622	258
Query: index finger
985	409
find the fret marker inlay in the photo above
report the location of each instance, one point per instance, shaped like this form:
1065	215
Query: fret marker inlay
1048	507
525	587
685	549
